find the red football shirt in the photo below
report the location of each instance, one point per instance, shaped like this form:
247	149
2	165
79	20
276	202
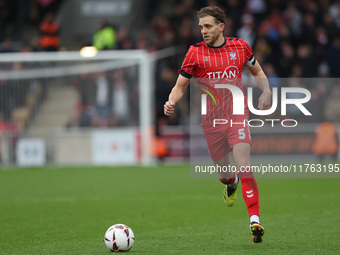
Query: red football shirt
218	65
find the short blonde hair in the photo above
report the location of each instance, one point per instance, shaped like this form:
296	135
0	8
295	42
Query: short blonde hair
213	11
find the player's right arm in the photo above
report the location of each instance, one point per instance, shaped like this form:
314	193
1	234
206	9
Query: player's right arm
183	80
176	94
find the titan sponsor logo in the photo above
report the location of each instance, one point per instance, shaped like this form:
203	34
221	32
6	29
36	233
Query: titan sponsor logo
230	74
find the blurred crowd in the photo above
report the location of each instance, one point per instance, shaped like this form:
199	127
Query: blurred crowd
107	99
291	39
29	25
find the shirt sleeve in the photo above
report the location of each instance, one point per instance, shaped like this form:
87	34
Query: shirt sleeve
249	55
188	66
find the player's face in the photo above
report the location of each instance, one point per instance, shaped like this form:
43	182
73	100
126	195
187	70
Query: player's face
211	30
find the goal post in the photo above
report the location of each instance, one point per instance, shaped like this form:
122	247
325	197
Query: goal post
146	107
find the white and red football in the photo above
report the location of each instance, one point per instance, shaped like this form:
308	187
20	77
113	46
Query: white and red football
119	237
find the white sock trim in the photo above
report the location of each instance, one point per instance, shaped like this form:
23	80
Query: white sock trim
255	218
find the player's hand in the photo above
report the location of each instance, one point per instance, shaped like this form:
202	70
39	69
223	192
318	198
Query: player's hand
265	100
169	108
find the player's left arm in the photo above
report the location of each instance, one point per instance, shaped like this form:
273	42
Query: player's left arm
262	82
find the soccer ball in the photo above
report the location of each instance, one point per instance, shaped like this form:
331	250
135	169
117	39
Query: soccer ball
119	237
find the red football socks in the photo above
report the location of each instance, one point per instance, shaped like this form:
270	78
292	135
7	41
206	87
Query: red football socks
250	193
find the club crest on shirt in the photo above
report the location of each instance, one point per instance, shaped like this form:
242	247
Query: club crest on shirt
232	55
206	58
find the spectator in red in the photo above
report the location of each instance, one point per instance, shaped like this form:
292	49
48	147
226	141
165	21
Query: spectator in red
49	29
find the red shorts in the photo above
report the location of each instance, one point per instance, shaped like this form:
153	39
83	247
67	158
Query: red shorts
223	137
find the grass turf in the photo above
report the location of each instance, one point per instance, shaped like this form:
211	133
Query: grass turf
67	211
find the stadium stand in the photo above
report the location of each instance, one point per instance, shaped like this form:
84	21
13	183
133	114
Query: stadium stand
292	39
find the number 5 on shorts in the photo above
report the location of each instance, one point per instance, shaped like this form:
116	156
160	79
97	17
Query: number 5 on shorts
241	134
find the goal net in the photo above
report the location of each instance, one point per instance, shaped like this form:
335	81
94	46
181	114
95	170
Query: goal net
64	108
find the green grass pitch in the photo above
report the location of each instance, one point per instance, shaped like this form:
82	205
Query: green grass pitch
67	211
